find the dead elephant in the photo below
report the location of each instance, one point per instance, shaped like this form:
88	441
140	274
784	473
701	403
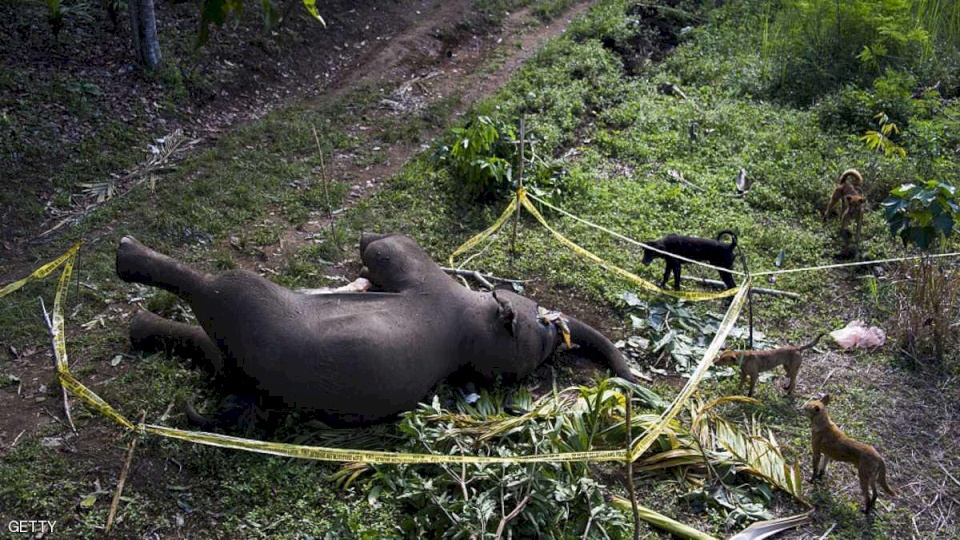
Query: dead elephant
356	358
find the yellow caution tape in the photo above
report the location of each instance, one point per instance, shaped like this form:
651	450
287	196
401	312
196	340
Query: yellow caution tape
41	272
469	244
522	198
68	381
726	325
684	295
67	260
370	456
631	240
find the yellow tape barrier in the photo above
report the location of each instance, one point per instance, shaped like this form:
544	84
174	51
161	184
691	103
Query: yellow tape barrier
726	325
67	380
477	238
523	199
631	240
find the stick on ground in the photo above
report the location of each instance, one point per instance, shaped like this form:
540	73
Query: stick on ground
758	290
66	403
123	476
484	279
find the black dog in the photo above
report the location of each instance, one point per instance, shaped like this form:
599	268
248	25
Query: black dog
706	250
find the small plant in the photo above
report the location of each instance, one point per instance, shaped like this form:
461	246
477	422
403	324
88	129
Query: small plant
114	8
483	157
881	141
922	213
925	215
55	16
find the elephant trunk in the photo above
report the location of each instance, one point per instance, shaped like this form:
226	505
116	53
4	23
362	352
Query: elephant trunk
589	339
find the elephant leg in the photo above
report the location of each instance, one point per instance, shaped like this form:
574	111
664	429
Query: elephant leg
151	333
140	264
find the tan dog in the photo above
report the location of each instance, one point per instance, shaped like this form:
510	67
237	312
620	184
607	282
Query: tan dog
830	442
848	194
753	362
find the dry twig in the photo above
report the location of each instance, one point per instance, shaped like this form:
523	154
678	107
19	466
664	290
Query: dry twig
326	192
66	402
123	476
511	515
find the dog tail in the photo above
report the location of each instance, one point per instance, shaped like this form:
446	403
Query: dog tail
855	174
733	237
882	479
812	343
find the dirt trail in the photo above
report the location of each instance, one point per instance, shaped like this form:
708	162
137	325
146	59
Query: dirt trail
426	70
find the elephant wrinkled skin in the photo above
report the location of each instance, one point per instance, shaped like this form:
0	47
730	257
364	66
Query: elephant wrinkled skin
356	357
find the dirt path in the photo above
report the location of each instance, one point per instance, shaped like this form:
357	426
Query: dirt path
426	70
240	75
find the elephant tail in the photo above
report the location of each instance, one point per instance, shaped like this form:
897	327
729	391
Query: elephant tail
589	339
196	418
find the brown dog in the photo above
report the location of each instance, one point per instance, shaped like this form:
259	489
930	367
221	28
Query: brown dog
753	362
848	194
828	441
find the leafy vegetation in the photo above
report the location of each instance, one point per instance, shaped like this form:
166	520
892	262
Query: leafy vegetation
925	215
922	214
618	137
677	335
484	154
553	500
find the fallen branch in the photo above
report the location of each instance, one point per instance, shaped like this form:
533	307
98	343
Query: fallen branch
66	403
483	279
758	290
516	512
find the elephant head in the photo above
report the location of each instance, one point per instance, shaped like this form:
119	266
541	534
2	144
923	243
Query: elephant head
524	339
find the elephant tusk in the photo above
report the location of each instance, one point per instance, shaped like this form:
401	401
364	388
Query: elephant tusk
556	318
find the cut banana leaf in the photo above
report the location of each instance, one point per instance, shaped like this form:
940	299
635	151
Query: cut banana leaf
766	529
661	521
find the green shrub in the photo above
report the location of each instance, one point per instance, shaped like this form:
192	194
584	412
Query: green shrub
824	45
923	213
483	155
480	157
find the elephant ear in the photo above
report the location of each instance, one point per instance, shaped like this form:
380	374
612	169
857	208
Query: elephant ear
506	314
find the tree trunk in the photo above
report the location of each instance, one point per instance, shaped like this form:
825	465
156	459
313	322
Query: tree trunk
143	30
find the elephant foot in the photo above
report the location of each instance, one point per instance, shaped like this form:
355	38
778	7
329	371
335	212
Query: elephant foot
137	263
152	333
131	255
